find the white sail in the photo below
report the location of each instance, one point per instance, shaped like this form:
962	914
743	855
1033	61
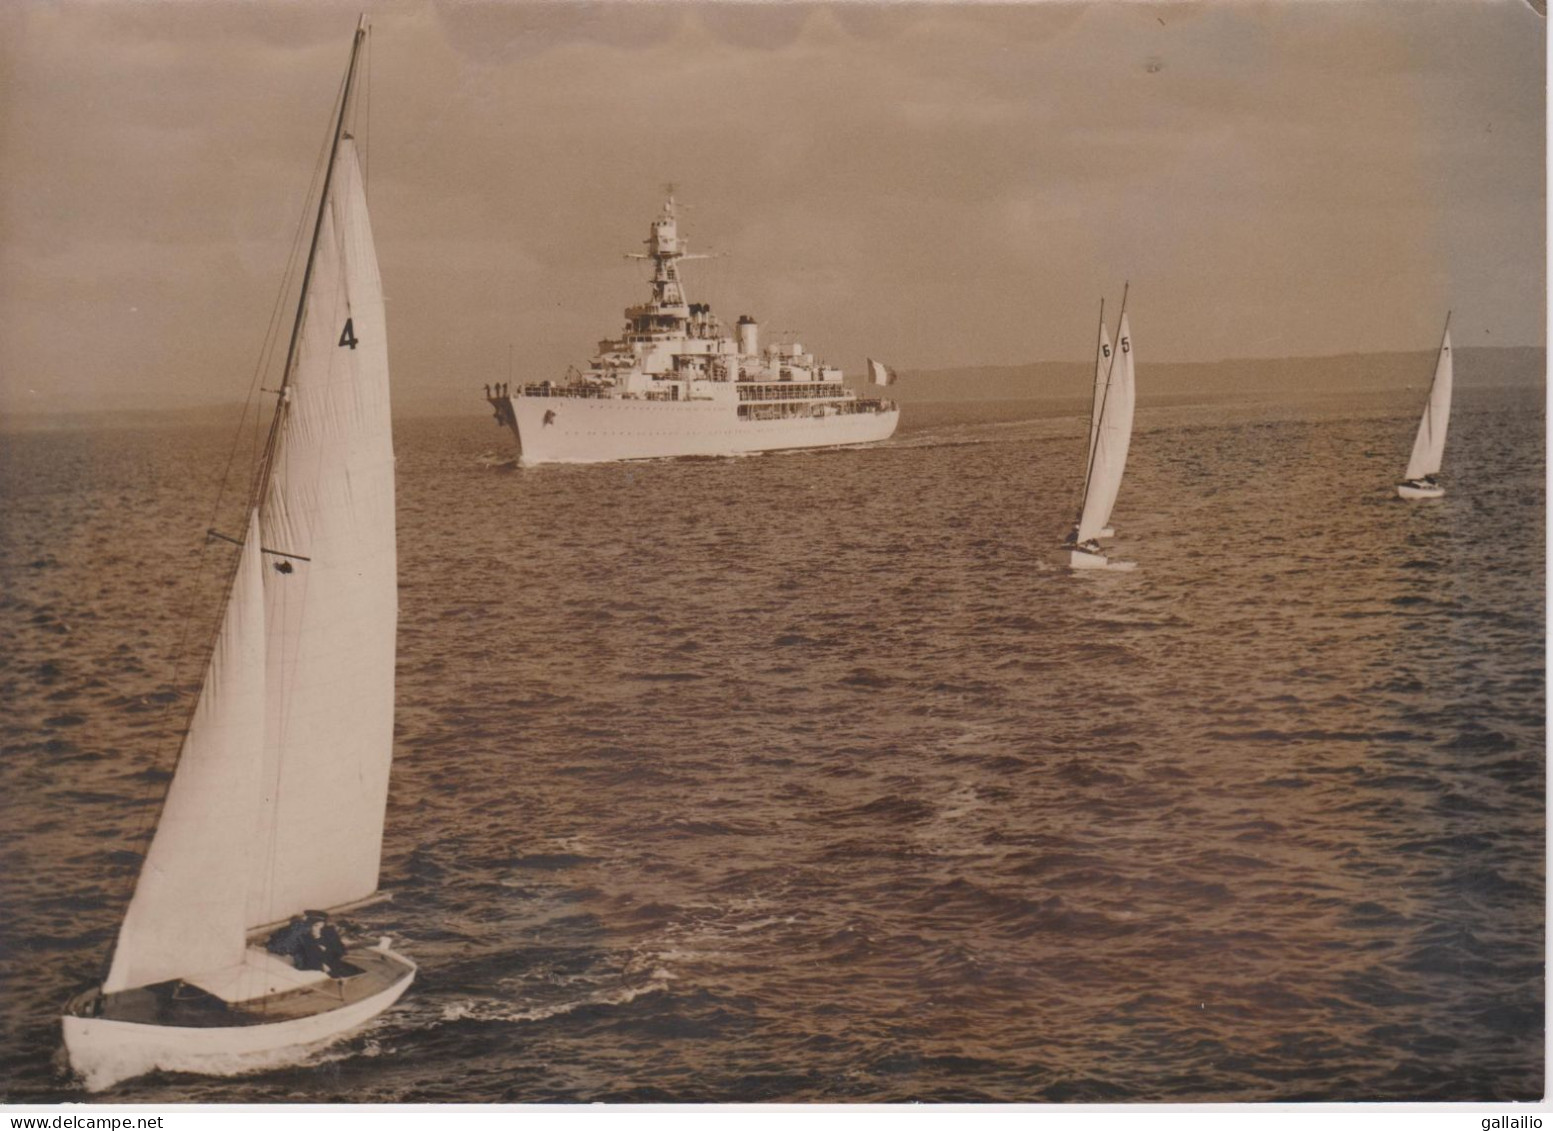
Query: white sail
331	617
1429	445
1102	371
1113	436
188	913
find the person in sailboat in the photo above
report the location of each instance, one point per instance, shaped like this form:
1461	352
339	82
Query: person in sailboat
287	941
311	943
325	947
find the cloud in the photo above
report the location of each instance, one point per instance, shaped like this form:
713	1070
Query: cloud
942	184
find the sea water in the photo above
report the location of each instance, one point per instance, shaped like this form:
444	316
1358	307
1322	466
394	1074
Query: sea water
815	777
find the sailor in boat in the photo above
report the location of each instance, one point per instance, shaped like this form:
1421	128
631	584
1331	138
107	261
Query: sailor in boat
312	943
1071	542
1426	482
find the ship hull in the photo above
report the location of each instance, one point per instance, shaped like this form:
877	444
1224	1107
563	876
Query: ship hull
104	1051
603	429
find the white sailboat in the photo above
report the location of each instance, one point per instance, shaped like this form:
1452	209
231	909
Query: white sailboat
1111	436
1418	481
277	802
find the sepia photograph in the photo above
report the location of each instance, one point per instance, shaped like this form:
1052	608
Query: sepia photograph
764	553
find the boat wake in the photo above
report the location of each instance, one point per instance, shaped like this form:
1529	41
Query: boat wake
491	461
491	1010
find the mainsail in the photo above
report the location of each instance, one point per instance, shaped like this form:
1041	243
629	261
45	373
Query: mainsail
332	608
1112	436
1429	445
187	914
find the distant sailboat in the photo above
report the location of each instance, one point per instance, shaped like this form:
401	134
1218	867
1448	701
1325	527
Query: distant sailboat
1429	445
1111	436
277	802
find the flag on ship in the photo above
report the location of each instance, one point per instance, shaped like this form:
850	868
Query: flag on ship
880	374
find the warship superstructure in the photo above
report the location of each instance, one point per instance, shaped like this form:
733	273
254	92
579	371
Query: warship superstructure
678	383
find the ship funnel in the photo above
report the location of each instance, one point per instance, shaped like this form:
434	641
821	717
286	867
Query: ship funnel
749	336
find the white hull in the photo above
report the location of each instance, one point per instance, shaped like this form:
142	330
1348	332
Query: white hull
104	1052
1083	560
602	429
1408	492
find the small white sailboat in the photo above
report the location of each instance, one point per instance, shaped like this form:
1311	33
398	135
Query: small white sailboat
277	803
1418	481
1110	438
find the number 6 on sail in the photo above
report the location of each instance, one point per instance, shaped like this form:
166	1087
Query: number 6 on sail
277	802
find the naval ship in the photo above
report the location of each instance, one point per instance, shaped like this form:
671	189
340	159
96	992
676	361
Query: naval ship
677	383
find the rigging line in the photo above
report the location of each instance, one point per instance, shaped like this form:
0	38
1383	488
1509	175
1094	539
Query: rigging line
1116	348
366	129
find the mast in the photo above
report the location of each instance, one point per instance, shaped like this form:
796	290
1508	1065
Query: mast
262	480
1094	410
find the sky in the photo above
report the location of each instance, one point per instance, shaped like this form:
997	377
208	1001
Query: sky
934	185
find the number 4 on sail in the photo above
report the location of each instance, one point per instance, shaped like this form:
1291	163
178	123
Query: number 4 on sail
1419	482
277	802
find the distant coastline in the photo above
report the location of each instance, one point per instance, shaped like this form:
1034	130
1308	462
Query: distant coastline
1477	367
1063	385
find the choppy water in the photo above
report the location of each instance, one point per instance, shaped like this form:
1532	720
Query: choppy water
812	777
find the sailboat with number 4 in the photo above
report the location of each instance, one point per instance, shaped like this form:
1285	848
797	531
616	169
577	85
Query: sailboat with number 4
276	806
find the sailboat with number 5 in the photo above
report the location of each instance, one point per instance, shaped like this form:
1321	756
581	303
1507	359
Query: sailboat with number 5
1110	435
277	803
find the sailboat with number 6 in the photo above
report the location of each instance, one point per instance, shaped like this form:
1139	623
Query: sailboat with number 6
277	803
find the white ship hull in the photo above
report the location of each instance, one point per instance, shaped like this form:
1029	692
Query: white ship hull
104	1052
602	429
1408	491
